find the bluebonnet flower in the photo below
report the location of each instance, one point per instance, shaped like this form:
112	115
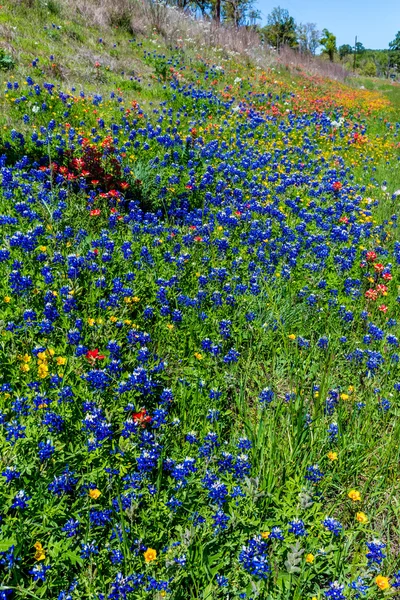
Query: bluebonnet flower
39	572
396	582
375	554
63	483
276	533
266	396
117	557
332	525
335	591
297	527
359	587
333	431
11	473
221	521
46	450
221	580
314	474
71	527
89	549
21	500
232	356
254	558
8	558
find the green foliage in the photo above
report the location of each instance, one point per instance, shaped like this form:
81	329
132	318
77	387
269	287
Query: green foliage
345	50
6	61
280	29
368	69
328	41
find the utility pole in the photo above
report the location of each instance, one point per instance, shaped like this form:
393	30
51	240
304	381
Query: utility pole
355	54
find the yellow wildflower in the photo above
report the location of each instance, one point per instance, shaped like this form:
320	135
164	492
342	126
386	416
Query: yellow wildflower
198	355
61	360
94	493
265	534
7	299
361	517
332	455
150	555
310	558
382	582
40	553
354	495
43	371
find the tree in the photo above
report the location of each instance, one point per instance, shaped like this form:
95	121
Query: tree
237	11
369	69
394	50
308	37
328	41
280	29
359	48
345	50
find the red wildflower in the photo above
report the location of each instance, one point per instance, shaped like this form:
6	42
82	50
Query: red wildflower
95	212
379	267
387	276
371	256
371	294
93	355
382	289
383	308
337	186
141	417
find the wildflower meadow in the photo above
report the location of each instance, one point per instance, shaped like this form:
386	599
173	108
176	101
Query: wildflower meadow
199	328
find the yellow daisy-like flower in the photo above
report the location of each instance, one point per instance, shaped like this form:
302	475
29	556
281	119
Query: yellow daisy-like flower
91	322
150	555
40	554
310	558
94	493
361	517
292	336
382	582
354	495
43	371
332	455
265	534
170	326
7	299
198	355
61	360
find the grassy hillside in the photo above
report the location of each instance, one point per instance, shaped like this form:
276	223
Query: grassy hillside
199	258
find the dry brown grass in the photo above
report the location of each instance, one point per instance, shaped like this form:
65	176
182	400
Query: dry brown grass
146	17
314	65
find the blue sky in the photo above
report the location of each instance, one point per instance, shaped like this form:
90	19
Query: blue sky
375	22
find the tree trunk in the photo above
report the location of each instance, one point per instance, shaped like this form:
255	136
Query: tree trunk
218	11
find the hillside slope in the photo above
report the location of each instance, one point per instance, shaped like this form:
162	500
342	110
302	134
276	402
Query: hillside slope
199	392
